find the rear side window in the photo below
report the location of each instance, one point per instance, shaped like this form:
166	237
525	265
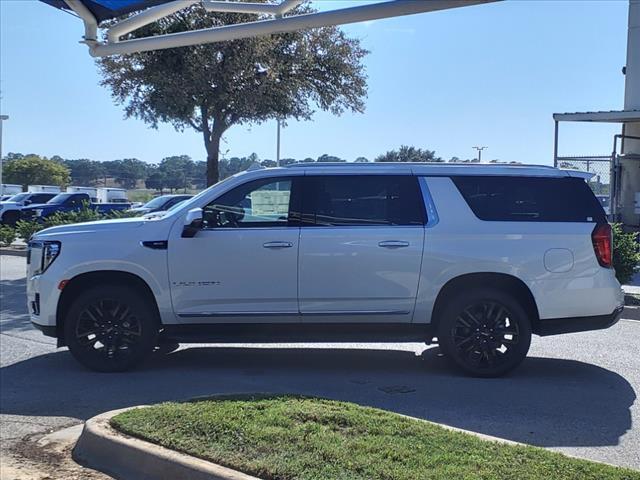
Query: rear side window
530	199
360	200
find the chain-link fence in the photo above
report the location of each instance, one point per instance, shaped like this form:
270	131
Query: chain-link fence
600	166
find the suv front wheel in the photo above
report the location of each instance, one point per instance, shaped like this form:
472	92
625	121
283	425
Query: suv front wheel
110	328
485	332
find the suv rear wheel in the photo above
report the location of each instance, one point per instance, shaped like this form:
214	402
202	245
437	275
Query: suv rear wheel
485	332
110	329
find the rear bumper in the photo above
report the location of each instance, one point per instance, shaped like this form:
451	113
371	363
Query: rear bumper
556	326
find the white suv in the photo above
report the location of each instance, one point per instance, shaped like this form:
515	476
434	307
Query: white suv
479	256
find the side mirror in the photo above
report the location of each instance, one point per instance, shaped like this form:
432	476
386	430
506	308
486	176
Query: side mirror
192	223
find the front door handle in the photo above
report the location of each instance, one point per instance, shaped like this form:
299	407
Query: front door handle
277	245
393	244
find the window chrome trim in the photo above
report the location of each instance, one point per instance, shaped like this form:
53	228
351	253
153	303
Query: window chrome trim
430	206
282	314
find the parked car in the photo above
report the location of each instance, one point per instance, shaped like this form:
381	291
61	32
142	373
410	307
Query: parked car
10	210
66	202
480	257
161	204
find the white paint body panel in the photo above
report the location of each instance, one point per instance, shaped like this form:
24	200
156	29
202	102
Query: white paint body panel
344	269
335	274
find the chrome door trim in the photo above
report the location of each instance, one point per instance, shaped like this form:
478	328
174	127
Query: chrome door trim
357	312
237	314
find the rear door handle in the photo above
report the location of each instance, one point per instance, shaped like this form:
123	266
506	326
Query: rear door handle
277	245
393	244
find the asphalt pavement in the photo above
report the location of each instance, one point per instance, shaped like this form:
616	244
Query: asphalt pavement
574	393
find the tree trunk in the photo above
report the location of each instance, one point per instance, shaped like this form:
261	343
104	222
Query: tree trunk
213	155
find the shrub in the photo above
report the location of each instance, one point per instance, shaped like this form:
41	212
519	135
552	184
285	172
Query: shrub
26	228
626	257
7	235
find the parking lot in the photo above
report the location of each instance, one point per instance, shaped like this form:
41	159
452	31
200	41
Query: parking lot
575	393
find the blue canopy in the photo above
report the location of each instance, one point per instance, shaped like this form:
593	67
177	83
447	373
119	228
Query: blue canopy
107	9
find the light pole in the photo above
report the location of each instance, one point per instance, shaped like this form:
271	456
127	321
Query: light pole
2	119
278	144
479	149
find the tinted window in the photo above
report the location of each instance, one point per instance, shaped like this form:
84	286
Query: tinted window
41	197
261	203
362	200
530	199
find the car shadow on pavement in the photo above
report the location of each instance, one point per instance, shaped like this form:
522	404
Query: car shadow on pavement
546	402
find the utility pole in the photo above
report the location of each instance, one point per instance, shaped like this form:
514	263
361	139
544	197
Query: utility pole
278	144
480	149
630	160
2	119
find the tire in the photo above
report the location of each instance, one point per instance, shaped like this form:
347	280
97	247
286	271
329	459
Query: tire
484	332
10	218
110	328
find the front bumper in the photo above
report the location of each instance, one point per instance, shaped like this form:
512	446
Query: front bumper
557	326
47	330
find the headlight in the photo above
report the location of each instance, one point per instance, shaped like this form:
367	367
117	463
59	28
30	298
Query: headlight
49	251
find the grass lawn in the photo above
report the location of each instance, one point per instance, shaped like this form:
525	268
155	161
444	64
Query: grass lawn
288	437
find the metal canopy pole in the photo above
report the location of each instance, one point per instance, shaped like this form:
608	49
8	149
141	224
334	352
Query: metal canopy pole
342	16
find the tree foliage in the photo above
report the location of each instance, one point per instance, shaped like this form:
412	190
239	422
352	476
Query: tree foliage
213	87
35	170
626	256
409	154
84	171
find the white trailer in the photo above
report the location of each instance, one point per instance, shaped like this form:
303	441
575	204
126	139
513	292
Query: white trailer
91	191
112	195
10	189
43	189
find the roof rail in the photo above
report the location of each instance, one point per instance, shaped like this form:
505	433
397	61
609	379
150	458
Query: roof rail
431	164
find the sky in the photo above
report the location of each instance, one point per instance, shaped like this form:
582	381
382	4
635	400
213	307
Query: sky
489	75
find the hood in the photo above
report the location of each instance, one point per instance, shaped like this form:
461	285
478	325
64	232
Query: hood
93	227
9	204
140	209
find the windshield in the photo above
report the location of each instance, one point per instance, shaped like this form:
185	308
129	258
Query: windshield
156	202
60	198
19	197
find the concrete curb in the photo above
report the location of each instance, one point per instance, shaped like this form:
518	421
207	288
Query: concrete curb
16	252
102	448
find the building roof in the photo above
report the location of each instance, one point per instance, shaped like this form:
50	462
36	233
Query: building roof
612	116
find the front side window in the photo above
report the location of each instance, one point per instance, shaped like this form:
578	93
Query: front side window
260	203
362	200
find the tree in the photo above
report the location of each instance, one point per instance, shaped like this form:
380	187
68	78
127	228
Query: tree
409	154
268	163
362	160
330	158
35	170
176	170
156	181
213	87
84	171
129	171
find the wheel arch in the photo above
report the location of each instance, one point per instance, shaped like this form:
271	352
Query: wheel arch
85	281
502	281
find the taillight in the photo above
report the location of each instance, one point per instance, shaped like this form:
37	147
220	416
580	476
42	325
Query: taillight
602	244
